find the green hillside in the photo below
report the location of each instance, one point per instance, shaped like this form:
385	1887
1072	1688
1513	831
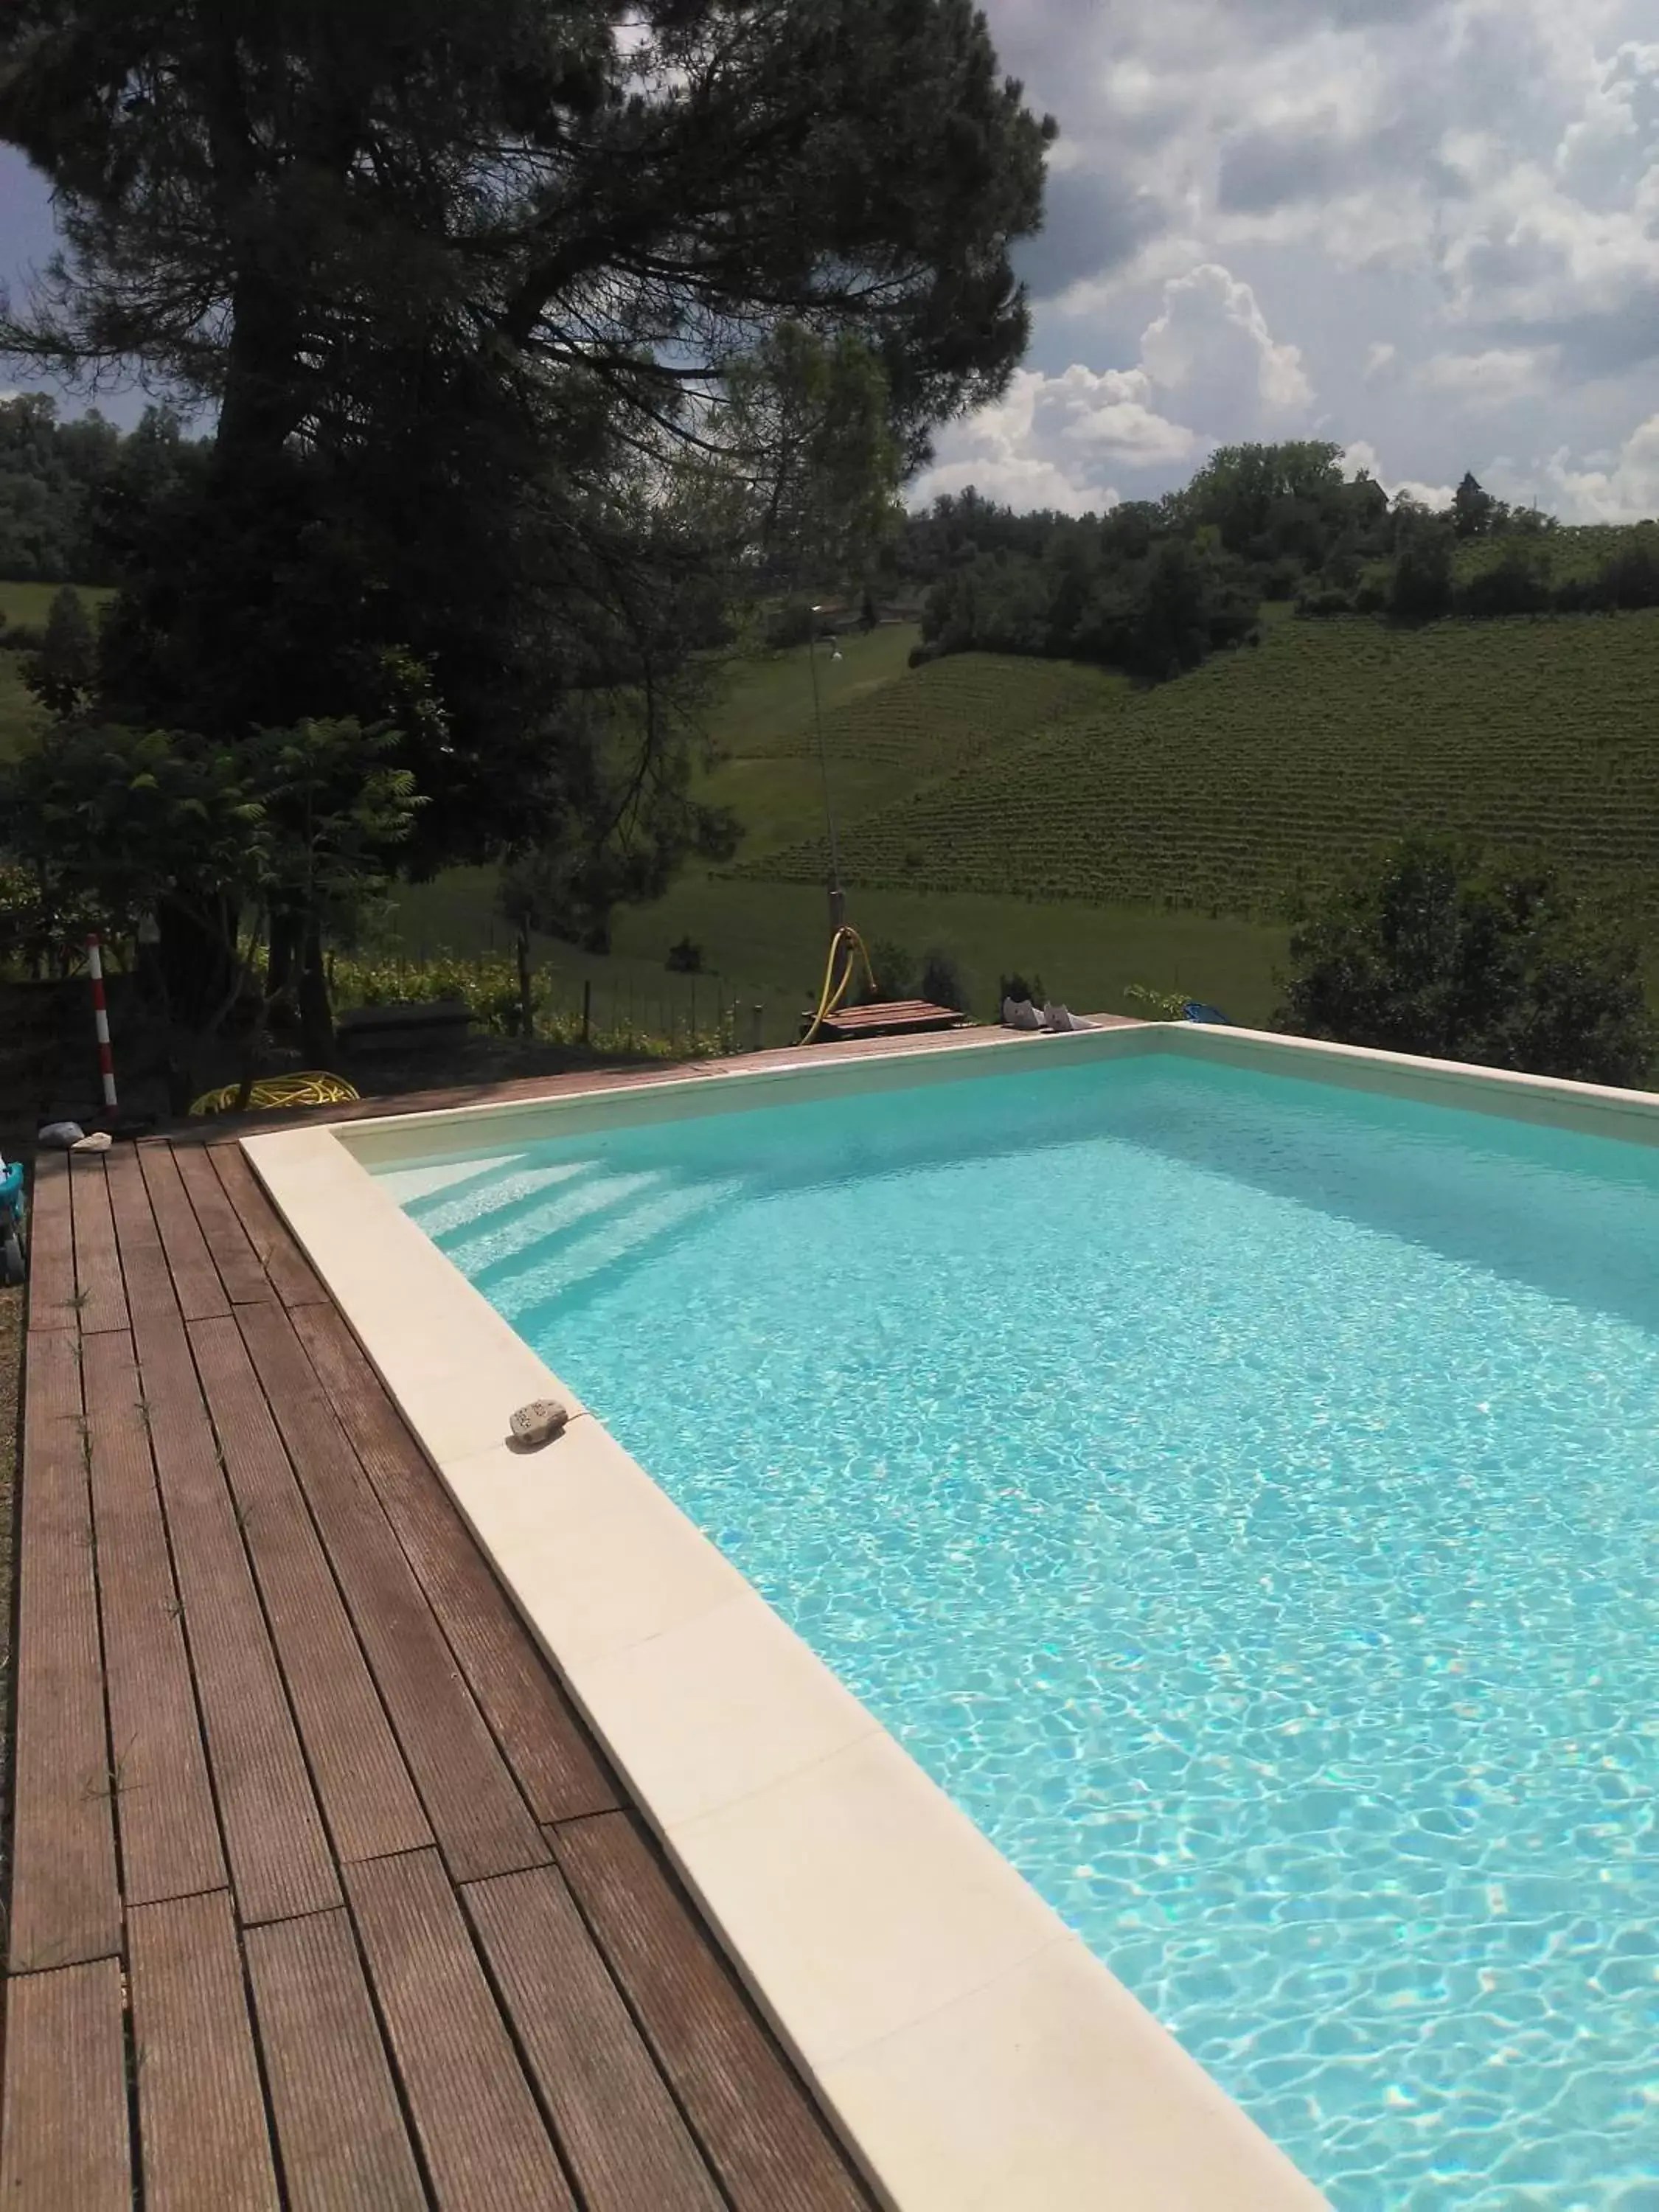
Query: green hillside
1272	766
886	731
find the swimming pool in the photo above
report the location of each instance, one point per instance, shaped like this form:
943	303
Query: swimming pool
1236	1493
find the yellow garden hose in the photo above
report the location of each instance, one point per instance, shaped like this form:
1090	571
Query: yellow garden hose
312	1088
846	939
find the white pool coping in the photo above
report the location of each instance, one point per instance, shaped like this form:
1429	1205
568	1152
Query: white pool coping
971	2051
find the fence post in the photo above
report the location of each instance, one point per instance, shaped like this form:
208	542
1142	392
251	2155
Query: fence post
757	1015
587	1008
100	1023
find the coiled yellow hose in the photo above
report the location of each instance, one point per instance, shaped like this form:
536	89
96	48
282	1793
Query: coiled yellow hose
313	1088
830	997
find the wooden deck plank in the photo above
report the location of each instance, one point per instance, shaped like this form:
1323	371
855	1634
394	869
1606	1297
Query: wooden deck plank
484	2141
340	2129
163	1804
100	1295
279	1855
65	2142
200	2109
481	1824
143	1263
368	1798
240	1269
622	2135
767	2141
65	1907
291	1273
196	1280
557	1765
897	1017
51	1245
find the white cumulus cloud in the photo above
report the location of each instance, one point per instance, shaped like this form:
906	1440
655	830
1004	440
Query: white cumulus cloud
1439	216
1209	371
1619	487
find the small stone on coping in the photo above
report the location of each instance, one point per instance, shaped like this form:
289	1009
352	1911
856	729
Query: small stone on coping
537	1423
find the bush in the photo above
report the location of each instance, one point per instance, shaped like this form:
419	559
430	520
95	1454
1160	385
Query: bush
1422	587
1323	599
894	970
684	959
1016	987
1283	580
789	624
1437	949
1519	584
921	654
942	983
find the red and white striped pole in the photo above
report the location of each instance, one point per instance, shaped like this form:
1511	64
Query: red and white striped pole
101	1021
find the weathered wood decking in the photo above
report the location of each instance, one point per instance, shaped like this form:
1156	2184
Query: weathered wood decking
320	1895
891	1017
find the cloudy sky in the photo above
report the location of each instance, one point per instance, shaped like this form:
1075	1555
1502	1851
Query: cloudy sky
1425	229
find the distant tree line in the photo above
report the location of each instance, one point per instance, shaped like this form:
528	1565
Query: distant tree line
1154	586
72	494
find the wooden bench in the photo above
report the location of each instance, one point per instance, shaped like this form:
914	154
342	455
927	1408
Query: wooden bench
404	1022
891	1017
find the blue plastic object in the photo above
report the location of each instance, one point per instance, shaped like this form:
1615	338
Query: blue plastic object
11	1224
1198	1012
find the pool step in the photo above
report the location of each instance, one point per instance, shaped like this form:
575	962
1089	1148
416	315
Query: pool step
524	1292
491	1243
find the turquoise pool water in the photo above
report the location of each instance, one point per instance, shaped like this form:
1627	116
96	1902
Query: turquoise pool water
1240	1494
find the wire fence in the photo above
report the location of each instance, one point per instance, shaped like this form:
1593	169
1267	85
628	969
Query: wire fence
679	1015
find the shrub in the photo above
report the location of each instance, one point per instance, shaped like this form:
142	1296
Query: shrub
1283	580
789	624
1519	584
1321	600
894	970
1439	949
942	983
684	959
1422	587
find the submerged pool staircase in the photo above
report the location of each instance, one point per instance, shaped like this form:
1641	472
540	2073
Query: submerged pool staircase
532	1236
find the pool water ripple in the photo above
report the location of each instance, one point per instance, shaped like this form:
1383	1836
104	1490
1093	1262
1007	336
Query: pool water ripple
1239	1495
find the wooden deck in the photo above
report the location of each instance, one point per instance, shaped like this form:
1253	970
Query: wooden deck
891	1017
320	1895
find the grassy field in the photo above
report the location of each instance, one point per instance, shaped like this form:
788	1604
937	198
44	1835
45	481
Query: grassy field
1267	768
764	943
1040	817
26	603
888	732
766	704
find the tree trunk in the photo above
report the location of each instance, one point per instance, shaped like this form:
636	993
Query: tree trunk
316	1016
196	956
526	1003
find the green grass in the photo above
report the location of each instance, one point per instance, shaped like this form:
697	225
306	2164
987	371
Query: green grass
885	737
32	603
764	943
1026	814
1270	767
28	603
767	705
